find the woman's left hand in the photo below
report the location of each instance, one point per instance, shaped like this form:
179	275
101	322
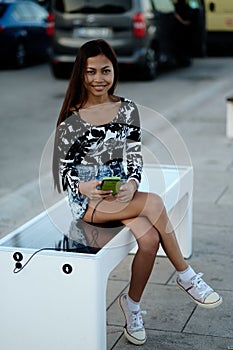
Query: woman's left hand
127	191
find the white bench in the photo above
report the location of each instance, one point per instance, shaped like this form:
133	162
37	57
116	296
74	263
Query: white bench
58	301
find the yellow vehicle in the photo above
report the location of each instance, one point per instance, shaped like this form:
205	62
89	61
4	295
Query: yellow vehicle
219	22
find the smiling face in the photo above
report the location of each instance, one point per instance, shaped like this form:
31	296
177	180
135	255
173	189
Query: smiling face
99	77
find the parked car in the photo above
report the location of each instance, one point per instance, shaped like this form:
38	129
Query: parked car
26	31
143	33
128	25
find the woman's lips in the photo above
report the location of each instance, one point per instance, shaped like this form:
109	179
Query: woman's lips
99	87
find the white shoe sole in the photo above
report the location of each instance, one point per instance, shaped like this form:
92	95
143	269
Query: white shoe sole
128	336
133	340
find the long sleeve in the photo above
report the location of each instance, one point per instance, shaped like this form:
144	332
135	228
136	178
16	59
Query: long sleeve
133	145
67	147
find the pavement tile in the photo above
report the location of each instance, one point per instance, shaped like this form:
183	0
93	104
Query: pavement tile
210	186
208	239
160	340
213	161
230	167
227	196
114	288
216	322
207	155
113	335
122	271
166	307
212	214
161	273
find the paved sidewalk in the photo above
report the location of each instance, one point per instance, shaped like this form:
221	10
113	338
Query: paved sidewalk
173	321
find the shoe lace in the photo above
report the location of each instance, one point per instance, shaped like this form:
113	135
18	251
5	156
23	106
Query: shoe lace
198	283
136	322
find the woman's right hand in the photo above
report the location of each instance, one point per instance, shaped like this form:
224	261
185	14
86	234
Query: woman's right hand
90	190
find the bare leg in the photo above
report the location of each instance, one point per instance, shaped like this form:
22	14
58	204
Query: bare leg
143	262
146	205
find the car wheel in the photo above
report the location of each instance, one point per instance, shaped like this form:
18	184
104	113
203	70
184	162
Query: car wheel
149	69
20	55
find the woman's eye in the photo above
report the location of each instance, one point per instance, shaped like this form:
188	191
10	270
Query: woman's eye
90	72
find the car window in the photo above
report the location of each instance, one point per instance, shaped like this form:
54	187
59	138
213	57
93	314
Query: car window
92	6
194	4
29	12
164	6
3	8
147	6
22	12
37	12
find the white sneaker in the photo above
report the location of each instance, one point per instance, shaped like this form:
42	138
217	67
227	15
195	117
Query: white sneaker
200	292
134	329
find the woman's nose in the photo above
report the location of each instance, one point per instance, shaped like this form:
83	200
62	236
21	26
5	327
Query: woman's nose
98	76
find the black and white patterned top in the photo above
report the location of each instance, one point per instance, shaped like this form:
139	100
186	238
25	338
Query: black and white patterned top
88	151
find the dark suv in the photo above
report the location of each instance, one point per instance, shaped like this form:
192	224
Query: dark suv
129	26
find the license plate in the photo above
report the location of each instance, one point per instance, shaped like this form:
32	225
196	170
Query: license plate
92	32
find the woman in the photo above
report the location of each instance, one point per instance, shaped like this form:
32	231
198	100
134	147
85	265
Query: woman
96	131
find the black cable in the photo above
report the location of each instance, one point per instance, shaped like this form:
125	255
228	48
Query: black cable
94	210
17	269
95	232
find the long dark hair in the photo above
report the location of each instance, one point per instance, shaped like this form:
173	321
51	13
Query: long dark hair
76	94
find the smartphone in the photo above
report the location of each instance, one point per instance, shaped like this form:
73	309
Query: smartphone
110	183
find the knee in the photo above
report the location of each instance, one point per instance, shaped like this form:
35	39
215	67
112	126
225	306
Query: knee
156	202
149	243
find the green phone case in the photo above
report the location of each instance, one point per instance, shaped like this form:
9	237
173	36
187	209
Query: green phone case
111	183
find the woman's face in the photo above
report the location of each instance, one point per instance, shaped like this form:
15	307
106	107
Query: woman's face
99	76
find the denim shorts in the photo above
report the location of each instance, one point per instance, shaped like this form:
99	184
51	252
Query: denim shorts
78	202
